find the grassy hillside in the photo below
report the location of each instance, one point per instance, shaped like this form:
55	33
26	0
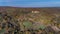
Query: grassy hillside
14	20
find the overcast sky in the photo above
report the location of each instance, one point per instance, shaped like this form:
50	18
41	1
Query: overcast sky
30	3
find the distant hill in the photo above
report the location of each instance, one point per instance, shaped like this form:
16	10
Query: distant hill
45	9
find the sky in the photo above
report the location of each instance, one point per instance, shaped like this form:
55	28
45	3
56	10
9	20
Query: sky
30	3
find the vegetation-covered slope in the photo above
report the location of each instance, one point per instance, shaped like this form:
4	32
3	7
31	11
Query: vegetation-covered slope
29	20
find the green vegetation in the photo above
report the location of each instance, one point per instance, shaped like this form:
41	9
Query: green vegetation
27	24
2	31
